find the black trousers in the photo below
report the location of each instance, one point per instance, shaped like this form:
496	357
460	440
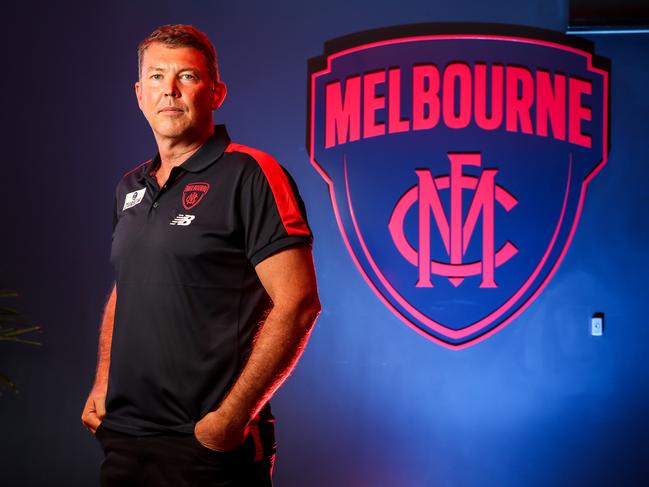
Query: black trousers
178	461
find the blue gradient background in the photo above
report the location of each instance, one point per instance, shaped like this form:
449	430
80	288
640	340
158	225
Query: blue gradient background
371	403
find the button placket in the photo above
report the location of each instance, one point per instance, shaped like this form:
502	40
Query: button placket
165	187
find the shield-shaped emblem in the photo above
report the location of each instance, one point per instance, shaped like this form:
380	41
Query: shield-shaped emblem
457	163
193	194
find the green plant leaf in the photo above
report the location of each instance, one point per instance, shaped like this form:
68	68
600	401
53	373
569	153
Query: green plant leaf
12	334
6	382
11	319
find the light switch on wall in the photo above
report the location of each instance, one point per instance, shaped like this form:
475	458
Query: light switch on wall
597	325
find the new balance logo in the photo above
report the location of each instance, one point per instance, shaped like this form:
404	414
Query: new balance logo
183	220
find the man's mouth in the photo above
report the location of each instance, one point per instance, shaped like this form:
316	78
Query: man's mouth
170	110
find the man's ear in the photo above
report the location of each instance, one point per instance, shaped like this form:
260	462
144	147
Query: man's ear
219	92
138	93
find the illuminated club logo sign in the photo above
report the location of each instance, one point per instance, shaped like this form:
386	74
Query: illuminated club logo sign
457	165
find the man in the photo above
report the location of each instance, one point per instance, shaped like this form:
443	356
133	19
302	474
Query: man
215	292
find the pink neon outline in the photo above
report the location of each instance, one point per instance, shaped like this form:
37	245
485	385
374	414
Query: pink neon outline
588	56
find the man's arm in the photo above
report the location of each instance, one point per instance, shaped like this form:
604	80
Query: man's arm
289	279
95	407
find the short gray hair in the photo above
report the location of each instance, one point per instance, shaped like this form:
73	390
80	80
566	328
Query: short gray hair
182	35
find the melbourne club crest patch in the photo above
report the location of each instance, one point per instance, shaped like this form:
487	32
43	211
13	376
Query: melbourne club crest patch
193	194
457	159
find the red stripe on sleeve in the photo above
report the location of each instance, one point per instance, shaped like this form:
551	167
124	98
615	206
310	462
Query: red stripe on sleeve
287	206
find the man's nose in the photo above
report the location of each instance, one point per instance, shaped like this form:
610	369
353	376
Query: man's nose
171	88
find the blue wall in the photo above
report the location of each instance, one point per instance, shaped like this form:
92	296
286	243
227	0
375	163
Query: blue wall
372	403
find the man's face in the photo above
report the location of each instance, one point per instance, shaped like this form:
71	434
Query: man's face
175	93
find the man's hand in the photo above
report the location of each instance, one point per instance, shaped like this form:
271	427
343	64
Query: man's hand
95	407
216	432
94	410
289	278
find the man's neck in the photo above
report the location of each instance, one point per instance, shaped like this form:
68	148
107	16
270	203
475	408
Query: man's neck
174	151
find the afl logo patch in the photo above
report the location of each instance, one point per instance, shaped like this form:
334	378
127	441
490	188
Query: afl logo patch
133	198
193	194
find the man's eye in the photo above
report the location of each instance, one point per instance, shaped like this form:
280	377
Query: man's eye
156	76
187	76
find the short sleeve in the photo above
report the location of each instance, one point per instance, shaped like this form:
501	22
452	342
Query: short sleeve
272	212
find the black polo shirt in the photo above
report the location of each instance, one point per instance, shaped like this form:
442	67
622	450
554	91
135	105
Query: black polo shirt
188	299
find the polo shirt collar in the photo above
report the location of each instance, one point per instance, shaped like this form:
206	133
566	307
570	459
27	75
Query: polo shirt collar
209	152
